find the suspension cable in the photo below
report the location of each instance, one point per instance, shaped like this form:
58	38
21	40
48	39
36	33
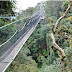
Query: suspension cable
8	39
13	22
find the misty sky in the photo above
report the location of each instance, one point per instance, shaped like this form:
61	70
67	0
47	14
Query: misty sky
24	4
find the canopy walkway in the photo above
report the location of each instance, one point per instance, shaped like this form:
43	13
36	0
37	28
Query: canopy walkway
10	48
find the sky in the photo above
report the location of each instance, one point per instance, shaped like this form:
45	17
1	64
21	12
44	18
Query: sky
24	4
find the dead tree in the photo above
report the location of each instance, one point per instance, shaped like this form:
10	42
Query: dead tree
54	29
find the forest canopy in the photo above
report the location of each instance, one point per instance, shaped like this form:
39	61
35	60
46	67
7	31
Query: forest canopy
49	48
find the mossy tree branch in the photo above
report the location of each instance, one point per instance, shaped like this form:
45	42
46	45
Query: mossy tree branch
53	38
59	20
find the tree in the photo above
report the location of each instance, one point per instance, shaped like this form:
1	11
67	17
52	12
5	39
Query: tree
53	8
55	29
7	7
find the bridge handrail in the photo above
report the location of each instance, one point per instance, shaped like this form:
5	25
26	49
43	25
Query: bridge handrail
15	32
22	28
13	22
8	39
13	35
9	45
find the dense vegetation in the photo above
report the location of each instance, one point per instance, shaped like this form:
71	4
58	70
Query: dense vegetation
38	54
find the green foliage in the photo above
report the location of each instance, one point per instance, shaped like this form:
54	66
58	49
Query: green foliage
1	22
31	68
55	67
37	42
68	59
6	33
53	8
23	63
6	7
65	4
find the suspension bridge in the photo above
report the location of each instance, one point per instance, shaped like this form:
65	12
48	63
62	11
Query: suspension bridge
10	48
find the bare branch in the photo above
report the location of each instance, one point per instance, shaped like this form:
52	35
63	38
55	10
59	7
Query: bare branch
58	21
60	50
50	19
56	46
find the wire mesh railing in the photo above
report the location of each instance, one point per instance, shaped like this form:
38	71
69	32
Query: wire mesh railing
8	46
16	25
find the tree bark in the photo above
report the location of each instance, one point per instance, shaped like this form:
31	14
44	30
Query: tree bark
55	45
58	21
60	50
